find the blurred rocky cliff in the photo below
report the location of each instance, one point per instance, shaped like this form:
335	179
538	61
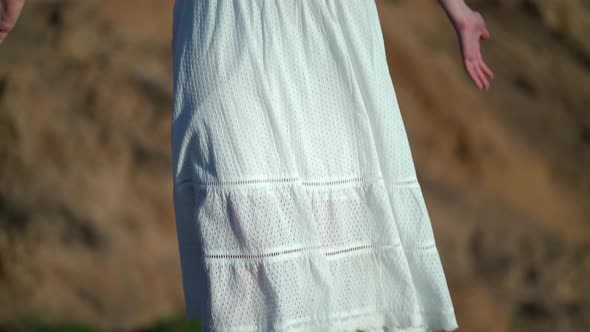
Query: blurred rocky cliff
86	220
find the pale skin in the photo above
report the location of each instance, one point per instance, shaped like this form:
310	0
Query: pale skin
468	24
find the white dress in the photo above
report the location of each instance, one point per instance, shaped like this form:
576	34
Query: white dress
296	199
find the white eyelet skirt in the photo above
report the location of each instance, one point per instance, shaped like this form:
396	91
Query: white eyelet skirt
297	203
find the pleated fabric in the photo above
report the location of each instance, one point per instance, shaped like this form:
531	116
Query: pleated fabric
297	203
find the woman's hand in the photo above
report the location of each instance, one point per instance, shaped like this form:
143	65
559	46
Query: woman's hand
9	13
470	28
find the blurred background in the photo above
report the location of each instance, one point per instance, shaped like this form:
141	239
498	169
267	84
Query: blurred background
87	233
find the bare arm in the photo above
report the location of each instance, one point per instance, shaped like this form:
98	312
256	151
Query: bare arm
9	13
469	25
470	28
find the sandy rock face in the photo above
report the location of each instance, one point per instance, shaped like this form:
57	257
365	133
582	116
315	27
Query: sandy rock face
85	194
86	218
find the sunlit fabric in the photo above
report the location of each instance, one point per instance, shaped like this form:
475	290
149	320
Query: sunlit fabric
297	203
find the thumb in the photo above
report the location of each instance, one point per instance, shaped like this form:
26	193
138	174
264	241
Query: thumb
485	34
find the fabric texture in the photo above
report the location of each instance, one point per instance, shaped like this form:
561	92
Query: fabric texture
297	203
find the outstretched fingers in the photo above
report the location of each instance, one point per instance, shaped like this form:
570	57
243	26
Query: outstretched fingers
482	76
471	69
474	62
486	69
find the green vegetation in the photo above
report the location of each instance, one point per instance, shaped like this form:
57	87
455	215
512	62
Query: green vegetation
173	324
33	324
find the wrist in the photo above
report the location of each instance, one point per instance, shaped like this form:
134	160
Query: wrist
456	10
